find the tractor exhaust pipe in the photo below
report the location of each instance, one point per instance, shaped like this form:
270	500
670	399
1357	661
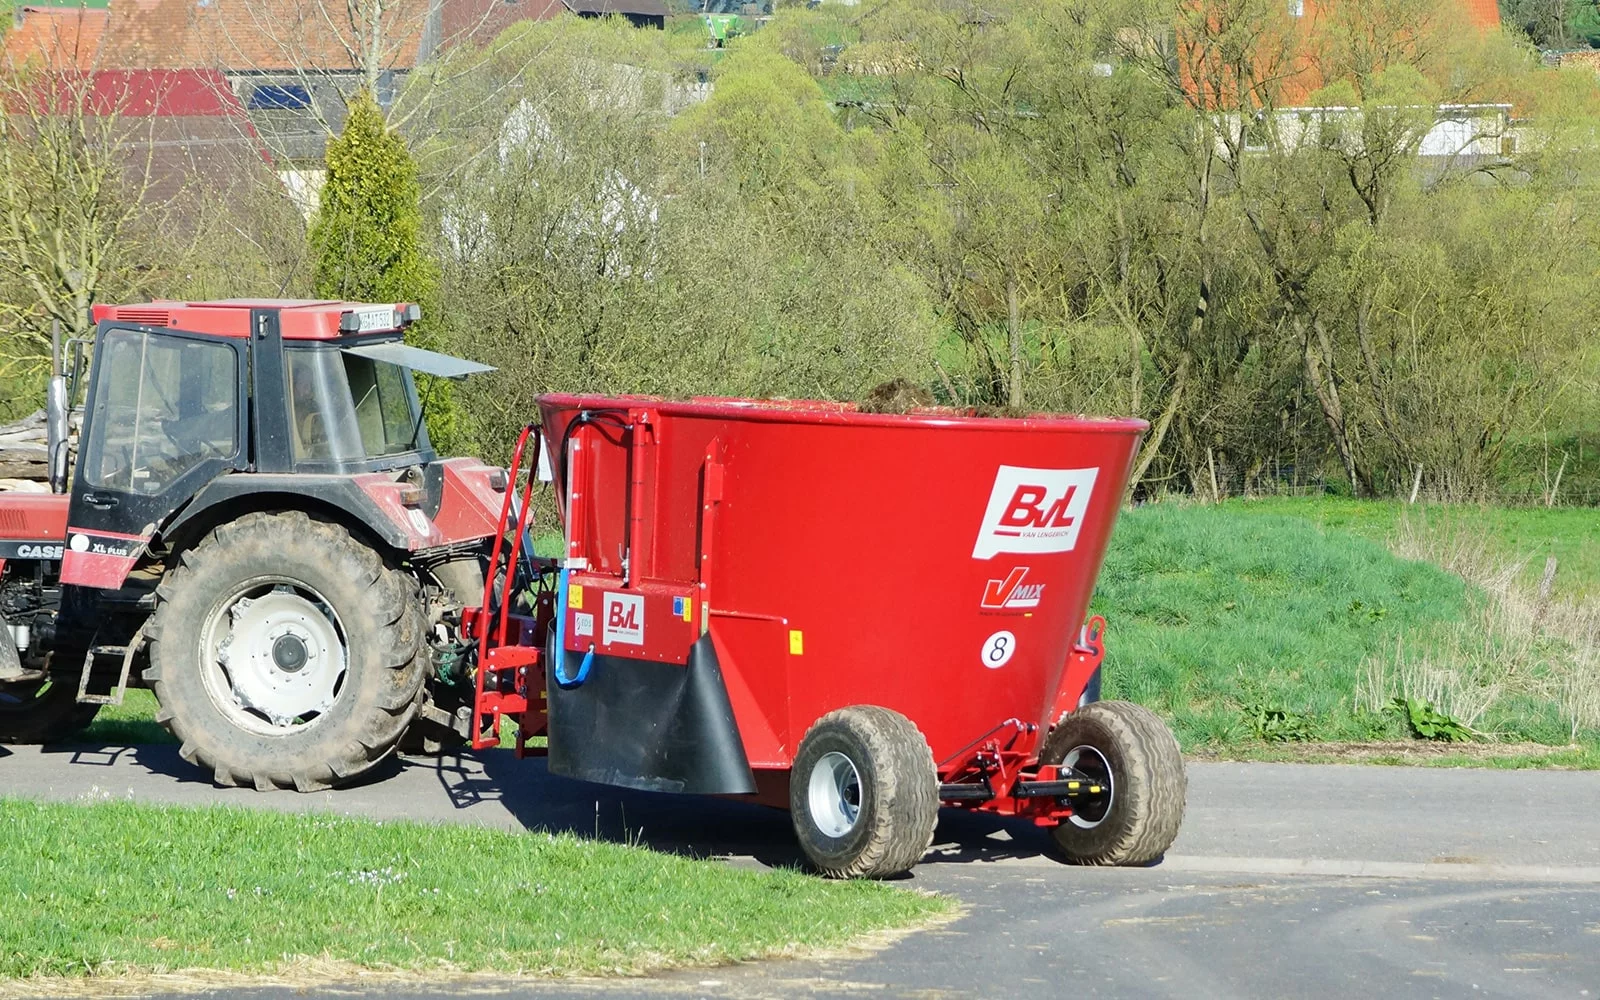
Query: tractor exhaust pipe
55	408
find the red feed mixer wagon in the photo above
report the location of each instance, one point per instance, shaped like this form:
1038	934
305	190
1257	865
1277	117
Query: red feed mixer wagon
857	616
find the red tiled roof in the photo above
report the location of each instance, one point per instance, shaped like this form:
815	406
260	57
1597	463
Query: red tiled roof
54	39
250	35
1482	13
478	21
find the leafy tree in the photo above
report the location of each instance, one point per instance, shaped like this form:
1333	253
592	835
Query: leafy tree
366	244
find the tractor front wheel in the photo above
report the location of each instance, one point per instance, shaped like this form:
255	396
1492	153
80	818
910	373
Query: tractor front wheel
286	654
1131	755
863	793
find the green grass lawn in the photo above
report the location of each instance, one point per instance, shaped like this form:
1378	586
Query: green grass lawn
119	888
1530	534
1254	622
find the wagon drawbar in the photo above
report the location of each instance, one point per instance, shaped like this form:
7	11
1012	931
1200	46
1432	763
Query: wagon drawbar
860	617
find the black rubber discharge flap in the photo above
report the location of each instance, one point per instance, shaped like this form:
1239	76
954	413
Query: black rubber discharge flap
648	725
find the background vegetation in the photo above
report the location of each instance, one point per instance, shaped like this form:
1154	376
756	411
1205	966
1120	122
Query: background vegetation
1066	206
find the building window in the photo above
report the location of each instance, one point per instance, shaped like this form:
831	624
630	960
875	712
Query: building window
279	97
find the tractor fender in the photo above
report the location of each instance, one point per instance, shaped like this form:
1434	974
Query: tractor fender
383	515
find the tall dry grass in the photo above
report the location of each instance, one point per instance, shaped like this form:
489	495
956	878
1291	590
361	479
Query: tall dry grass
1520	641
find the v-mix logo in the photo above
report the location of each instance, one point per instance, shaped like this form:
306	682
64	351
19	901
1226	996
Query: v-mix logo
1012	592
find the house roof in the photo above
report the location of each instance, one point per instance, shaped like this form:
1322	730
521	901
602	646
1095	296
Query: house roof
243	36
54	38
653	8
1482	13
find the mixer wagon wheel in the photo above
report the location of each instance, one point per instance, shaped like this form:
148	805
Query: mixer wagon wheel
863	793
1133	755
285	653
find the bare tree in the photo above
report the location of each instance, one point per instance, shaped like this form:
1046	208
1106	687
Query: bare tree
74	175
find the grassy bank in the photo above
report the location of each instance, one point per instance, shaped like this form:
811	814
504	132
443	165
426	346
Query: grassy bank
1525	535
118	888
1281	622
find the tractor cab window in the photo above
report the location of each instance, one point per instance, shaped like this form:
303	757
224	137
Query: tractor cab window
345	408
162	405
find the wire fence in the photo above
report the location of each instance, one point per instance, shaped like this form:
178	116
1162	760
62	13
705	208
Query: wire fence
1221	481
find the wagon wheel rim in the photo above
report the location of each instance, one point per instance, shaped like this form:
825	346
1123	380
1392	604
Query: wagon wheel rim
834	794
1090	811
274	656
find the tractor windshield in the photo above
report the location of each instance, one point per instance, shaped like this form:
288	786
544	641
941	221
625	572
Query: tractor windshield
345	409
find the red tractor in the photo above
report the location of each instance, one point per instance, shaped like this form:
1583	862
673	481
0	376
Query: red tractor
257	516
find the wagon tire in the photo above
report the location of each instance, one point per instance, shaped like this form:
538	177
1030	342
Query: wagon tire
357	626
863	793
1137	758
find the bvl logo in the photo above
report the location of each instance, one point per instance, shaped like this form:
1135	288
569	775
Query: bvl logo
1012	592
1034	510
624	619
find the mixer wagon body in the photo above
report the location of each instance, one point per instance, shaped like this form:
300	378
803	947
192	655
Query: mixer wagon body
857	615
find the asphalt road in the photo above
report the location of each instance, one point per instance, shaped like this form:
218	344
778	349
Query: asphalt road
1287	880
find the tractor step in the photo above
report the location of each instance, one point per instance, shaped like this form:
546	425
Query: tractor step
117	693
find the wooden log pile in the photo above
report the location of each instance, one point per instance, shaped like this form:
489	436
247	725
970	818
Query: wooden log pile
24	461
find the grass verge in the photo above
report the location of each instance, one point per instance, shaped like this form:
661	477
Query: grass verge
1253	629
116	889
1523	535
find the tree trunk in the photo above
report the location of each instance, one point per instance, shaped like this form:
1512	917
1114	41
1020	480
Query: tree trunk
1316	350
1014	333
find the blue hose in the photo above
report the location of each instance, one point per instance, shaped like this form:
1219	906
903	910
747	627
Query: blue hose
562	583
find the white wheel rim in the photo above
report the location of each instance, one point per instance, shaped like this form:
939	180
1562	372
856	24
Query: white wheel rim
834	794
1093	763
273	656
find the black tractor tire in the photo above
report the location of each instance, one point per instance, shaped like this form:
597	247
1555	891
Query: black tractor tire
43	711
377	608
1128	747
875	761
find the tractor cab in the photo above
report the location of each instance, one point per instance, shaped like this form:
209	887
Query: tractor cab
191	404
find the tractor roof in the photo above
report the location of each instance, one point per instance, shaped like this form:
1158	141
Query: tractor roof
298	319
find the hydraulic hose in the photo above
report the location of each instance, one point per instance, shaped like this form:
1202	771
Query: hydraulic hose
563	581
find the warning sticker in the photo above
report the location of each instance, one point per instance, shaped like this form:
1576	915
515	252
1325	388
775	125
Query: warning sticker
624	619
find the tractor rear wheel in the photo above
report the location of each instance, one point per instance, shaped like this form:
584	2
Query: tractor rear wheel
286	654
1132	755
40	711
863	793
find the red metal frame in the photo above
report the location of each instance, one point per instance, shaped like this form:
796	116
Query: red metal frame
1009	754
499	653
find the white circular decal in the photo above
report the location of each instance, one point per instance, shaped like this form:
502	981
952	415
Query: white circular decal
998	649
80	543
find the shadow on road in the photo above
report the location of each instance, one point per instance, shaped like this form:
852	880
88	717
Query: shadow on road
690	825
494	787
